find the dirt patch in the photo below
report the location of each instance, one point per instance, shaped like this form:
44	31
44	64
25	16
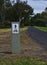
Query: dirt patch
29	46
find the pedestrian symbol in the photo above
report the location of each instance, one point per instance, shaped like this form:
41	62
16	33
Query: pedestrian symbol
15	28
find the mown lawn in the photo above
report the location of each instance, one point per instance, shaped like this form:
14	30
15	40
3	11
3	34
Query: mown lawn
22	61
9	29
42	28
4	30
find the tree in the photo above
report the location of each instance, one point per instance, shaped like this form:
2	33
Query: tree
1	2
22	10
18	12
46	9
39	19
5	6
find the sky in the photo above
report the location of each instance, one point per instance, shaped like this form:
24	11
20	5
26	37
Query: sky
37	5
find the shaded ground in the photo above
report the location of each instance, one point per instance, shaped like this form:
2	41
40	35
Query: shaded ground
29	46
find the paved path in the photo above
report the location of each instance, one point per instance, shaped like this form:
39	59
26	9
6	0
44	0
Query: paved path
40	36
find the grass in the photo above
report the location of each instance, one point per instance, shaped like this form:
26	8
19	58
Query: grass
42	28
22	61
5	30
9	29
24	28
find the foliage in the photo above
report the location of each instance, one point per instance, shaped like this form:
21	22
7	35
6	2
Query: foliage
39	19
22	61
17	12
1	2
41	28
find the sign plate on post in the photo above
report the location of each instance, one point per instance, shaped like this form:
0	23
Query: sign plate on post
15	37
15	28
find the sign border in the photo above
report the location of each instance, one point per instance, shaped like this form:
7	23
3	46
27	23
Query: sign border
15	23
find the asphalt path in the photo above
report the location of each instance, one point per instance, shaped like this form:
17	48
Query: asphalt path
38	35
